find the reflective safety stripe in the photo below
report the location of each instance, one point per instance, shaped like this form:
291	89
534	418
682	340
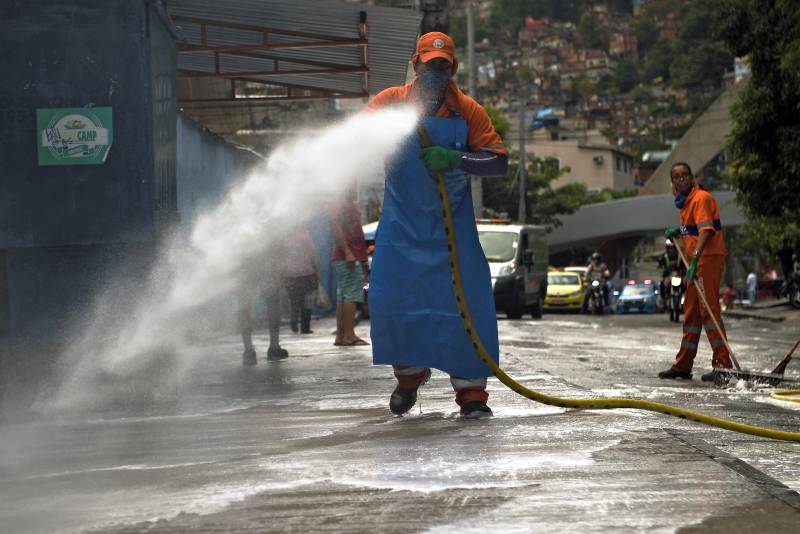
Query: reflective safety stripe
409	371
689	345
694	229
716	343
466	383
692	329
710	327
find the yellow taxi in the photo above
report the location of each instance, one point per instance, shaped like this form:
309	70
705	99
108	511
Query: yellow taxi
564	291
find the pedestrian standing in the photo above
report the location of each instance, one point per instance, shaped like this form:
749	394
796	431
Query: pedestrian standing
349	258
728	297
265	277
786	256
416	324
302	277
739	285
703	242
752	286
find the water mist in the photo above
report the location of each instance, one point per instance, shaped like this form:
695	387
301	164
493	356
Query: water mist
131	346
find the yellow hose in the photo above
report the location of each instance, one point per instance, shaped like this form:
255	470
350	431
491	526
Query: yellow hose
581	404
788	395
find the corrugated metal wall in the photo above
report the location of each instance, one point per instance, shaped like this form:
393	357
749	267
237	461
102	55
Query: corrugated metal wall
391	34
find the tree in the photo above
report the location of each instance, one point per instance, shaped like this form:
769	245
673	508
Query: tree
625	75
499	120
582	87
593	34
656	62
764	144
700	63
646	34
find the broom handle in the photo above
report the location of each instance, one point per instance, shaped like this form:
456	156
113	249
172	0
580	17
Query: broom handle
788	357
793	349
701	291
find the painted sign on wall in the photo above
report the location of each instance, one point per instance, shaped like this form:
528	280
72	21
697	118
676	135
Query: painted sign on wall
74	136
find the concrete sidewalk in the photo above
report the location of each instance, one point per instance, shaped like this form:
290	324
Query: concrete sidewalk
308	445
774	310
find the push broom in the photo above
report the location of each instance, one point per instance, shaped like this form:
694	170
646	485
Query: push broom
723	376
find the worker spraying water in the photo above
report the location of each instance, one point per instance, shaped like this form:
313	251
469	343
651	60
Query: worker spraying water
415	320
425	240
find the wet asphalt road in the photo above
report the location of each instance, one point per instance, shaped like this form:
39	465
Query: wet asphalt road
308	445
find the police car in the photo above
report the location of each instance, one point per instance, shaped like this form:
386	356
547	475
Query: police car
638	297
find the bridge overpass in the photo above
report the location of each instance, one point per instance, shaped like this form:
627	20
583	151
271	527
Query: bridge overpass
628	220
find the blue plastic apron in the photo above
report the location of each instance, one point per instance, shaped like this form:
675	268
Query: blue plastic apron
413	313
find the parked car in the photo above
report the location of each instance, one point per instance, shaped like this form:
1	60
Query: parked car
517	256
638	296
579	269
564	291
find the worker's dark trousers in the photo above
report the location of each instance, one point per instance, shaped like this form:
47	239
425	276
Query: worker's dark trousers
696	318
467	389
273	300
298	287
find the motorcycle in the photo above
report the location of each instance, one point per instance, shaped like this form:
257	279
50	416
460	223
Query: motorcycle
596	298
674	297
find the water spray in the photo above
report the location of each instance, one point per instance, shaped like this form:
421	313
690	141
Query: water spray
135	345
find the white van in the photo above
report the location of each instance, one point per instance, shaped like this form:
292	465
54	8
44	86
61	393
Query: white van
517	256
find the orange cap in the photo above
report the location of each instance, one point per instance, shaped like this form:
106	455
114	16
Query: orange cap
433	45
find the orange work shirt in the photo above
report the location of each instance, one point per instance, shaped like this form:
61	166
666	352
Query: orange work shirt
700	213
481	134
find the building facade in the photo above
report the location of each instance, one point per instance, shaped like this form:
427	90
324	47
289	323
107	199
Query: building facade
598	166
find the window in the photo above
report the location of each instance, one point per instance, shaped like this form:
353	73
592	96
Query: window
619	163
498	246
563	280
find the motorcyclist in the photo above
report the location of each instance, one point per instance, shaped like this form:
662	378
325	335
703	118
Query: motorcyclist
669	263
597	270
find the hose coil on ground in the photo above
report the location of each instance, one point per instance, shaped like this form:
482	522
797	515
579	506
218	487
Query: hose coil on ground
580	404
788	395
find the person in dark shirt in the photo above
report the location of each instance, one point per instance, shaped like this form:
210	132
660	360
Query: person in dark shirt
786	256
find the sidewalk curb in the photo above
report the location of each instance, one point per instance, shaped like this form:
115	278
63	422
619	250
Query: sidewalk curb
750	315
755	476
776	304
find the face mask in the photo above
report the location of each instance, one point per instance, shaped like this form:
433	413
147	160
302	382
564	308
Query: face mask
433	80
680	200
431	105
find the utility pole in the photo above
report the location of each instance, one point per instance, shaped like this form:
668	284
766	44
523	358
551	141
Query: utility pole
521	170
476	182
434	18
471	49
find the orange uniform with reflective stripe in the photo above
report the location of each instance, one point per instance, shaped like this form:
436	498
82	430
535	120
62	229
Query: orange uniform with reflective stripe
481	134
701	211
